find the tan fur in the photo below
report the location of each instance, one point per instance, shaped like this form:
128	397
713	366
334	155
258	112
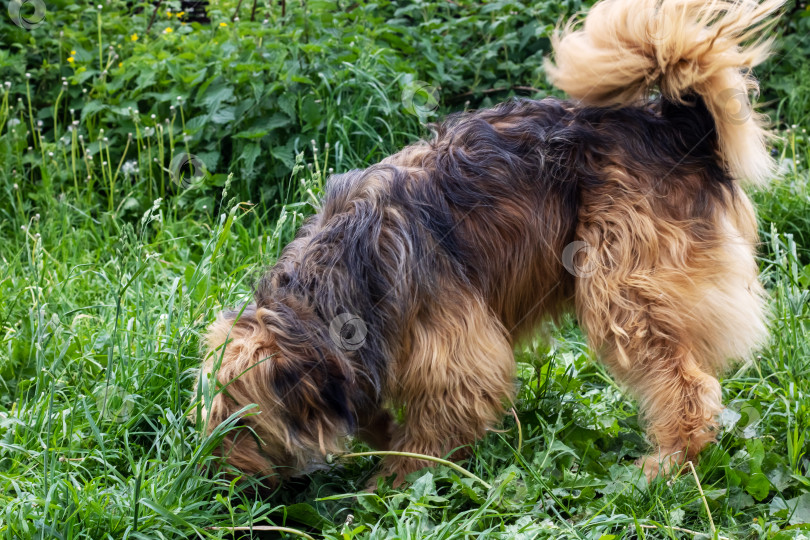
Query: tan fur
669	305
629	48
453	381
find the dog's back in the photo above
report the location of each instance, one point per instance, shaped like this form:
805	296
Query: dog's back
505	188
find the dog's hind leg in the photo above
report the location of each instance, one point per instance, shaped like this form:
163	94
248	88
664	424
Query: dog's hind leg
452	384
729	322
666	303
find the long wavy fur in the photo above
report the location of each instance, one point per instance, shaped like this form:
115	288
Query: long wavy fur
408	290
628	49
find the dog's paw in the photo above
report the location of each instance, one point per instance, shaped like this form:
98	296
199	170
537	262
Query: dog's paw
660	465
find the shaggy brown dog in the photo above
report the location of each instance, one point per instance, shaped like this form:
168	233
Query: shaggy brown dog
409	288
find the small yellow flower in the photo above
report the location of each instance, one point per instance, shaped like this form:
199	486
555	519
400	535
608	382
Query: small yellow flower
120	64
72	53
134	37
168	30
168	13
181	14
223	24
71	60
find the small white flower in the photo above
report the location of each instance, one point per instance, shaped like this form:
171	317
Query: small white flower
130	167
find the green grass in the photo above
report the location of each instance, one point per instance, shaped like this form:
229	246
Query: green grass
107	282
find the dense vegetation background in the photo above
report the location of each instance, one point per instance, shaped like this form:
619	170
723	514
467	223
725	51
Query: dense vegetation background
150	166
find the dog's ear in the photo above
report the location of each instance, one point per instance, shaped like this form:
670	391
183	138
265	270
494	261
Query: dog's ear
297	382
312	380
238	352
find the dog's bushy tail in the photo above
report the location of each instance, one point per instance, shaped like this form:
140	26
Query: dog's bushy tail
629	49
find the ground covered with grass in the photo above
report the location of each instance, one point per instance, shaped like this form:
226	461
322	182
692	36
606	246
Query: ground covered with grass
151	166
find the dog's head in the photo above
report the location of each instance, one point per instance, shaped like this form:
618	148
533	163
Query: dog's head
284	397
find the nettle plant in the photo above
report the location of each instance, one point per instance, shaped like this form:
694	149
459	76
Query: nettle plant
129	95
248	91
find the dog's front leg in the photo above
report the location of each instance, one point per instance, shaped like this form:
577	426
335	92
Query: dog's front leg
452	385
